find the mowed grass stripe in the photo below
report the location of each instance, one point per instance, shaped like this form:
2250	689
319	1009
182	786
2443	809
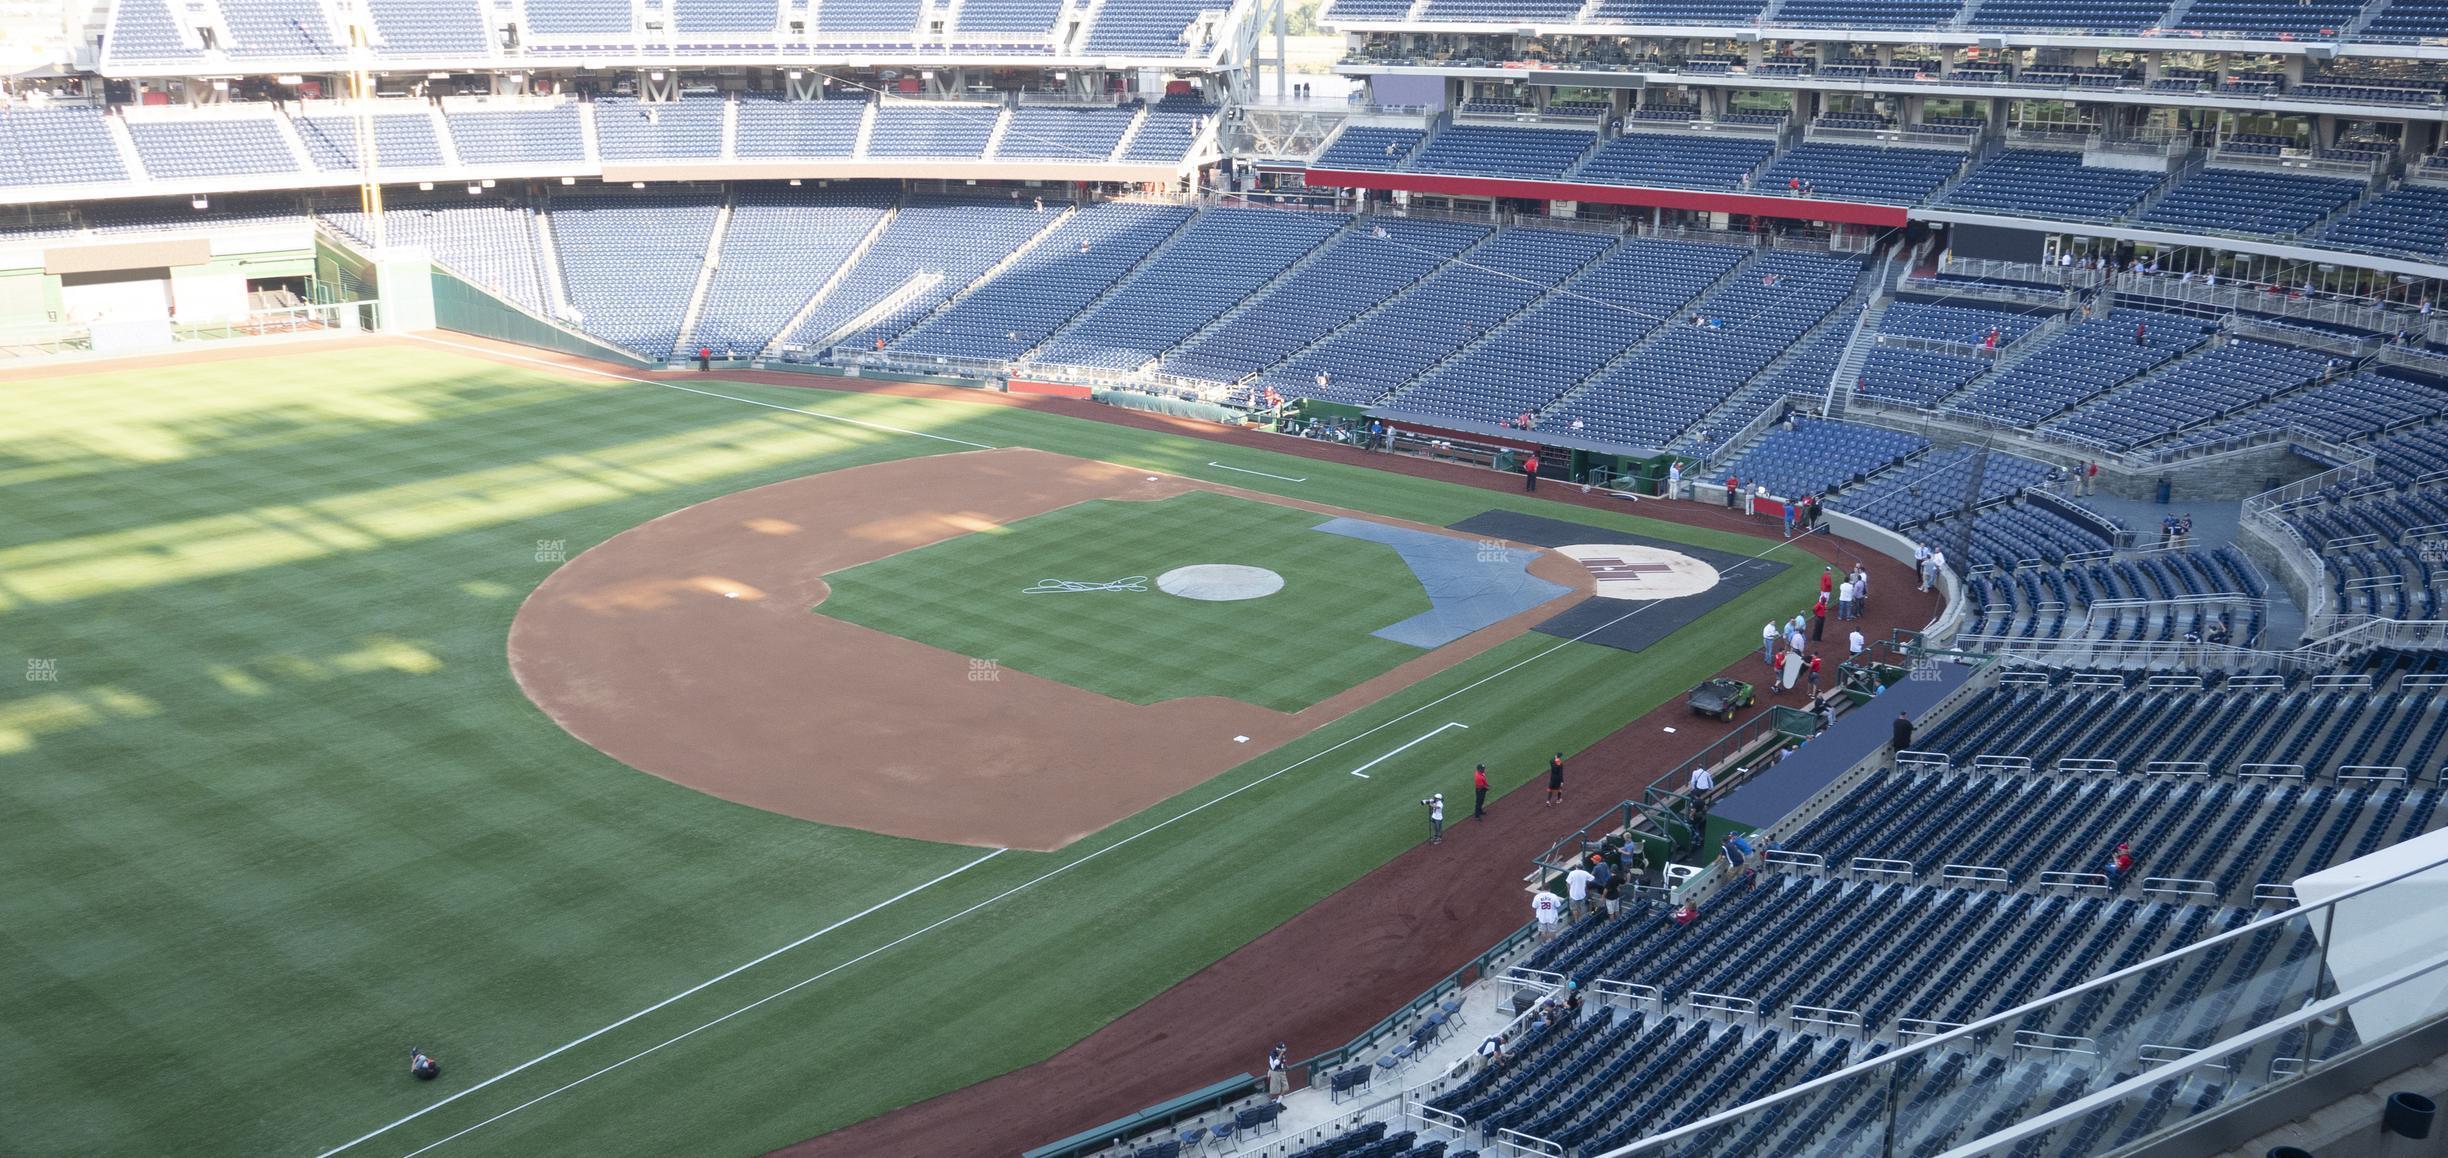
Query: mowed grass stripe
1287	651
280	819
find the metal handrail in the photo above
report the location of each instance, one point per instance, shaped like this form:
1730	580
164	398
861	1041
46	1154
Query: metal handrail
1972	1033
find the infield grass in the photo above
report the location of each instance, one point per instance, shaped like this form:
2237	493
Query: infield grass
968	595
272	809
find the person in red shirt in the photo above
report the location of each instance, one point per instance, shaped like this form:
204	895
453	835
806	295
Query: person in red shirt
1814	675
1687	914
705	358
1827	582
1479	788
1529	470
2121	863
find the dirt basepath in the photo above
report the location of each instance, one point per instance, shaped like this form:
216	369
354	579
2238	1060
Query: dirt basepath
1331	972
684	648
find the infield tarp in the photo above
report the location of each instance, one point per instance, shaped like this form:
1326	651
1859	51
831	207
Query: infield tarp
1469	585
1630	625
1775	791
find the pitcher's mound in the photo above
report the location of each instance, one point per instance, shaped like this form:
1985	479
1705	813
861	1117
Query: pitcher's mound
1220	582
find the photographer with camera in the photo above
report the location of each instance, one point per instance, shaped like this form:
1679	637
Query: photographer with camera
1436	817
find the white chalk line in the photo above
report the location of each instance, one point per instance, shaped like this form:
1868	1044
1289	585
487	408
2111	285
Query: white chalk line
1050	874
700	986
1259	473
484	353
1362	771
1047	875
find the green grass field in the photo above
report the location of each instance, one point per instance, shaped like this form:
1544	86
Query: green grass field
272	809
966	595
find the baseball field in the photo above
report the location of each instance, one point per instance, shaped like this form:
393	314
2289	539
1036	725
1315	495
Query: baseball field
697	766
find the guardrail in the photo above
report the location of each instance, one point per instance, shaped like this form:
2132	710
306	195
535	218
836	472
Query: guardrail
2295	986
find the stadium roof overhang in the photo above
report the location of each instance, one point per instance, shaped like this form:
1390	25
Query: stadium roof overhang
2154	40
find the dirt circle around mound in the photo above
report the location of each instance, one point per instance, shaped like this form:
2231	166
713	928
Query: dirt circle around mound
685	648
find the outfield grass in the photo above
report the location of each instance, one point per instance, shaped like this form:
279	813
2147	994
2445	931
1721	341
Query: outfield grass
272	809
968	596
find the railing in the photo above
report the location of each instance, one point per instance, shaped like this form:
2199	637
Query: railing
2300	984
2285	1050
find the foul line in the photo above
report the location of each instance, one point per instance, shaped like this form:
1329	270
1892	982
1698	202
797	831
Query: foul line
1029	884
735	971
1259	473
1362	771
484	353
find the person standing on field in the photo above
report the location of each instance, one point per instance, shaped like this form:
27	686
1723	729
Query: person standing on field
1555	779
1279	1080
1529	468
1479	787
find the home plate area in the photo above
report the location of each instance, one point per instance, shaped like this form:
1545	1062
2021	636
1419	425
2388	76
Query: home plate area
1647	589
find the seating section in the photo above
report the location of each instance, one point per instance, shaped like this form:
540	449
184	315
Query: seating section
930	251
145	31
1960	324
282	28
1353	274
401	141
629	262
1568	335
2085	360
1940	482
2048	183
1719	12
211	147
1072	266
1812	457
2410	220
516	136
780	247
771	127
1502	11
2289	18
1676	161
2194	390
932	129
1146	28
1218	260
488	240
629	130
1839	172
1173	125
874	18
725	16
1450	309
2251	201
1655	393
1069	134
1915	377
57	145
1499	151
1370	148
2103	17
598	18
429	28
1008	19
2348	409
1841	14
2376	563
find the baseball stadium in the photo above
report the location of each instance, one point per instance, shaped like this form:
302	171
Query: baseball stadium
1289	578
